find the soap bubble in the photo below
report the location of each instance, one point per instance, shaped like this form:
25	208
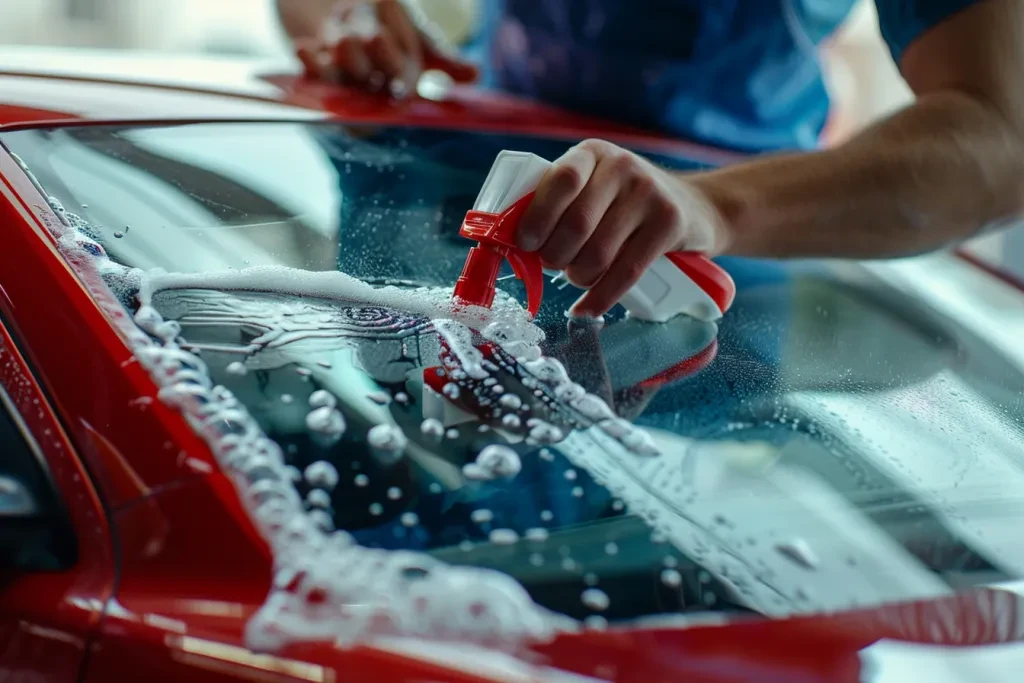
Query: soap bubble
596	599
321	474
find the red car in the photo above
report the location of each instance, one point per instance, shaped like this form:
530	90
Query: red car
226	456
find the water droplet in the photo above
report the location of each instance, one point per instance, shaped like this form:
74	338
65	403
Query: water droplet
595	622
236	368
432	428
798	552
547	455
577	491
293	473
322	519
611	548
596	599
287	399
493	462
452	433
118	234
536	534
670	561
394	493
326	421
510	402
388	442
318	498
466	546
321	474
503	536
434	488
618	505
379	397
546	515
451	390
361	480
542	432
568	564
481	516
570	474
511	421
322	399
671	578
402	398
590	578
376	509
410	519
536	559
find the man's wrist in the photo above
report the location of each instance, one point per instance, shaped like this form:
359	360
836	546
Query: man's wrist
726	209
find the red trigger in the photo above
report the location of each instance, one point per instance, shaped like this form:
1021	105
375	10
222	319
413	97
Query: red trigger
527	267
495	236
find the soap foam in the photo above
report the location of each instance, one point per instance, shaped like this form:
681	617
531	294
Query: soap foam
325	586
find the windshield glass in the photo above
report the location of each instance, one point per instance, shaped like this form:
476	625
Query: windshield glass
831	442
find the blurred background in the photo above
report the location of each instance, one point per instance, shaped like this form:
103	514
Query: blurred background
861	74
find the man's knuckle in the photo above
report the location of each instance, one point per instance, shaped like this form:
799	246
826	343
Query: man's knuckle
567	178
664	211
594	145
643	185
633	270
578	223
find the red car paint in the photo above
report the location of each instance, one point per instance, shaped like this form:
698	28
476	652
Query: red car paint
171	566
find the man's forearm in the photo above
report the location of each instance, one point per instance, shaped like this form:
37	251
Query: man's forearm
934	173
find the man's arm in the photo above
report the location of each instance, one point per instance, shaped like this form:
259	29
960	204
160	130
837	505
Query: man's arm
936	172
384	43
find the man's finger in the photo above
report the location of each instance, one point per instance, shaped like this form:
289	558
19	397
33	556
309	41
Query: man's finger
434	58
557	190
306	52
350	56
619	222
637	254
393	15
385	55
581	219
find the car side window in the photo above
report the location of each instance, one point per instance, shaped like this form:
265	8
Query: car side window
34	533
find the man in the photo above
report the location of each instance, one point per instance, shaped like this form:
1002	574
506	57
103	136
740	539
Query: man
739	73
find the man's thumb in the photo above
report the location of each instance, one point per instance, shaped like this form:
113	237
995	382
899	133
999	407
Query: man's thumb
459	69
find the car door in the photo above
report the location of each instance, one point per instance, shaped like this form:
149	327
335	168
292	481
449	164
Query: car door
56	561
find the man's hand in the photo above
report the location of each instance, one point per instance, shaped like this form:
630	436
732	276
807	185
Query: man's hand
603	215
367	43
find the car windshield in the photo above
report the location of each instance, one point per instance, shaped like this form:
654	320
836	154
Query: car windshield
830	442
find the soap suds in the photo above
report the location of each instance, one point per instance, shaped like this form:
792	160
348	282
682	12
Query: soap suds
317	571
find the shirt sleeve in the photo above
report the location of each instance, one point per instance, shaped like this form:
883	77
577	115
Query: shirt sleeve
902	21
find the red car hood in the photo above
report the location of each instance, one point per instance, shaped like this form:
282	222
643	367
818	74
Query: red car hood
970	638
40	85
48	86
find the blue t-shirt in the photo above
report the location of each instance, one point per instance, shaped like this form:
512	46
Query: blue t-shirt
737	73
